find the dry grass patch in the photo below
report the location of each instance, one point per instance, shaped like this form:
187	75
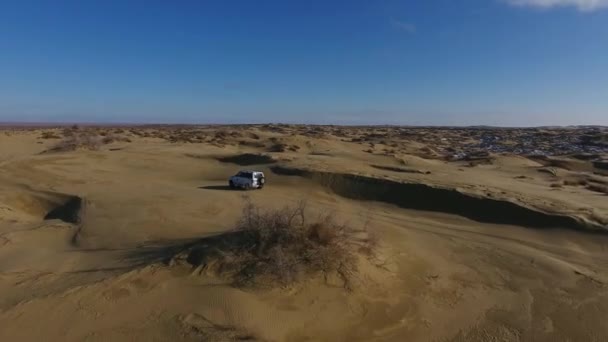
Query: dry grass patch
49	135
76	139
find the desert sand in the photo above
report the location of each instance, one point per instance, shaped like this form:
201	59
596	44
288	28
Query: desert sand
493	245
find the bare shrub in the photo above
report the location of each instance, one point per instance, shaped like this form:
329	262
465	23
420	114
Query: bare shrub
86	139
257	144
136	132
253	136
281	147
49	135
278	147
110	138
78	141
222	134
281	246
68	132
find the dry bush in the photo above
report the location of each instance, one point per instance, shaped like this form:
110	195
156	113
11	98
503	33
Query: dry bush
136	132
281	246
279	147
68	132
110	138
85	139
82	140
222	134
253	136
49	135
257	144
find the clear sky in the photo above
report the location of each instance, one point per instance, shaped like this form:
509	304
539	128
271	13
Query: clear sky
438	62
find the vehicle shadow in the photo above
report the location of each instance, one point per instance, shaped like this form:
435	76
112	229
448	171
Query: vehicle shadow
217	187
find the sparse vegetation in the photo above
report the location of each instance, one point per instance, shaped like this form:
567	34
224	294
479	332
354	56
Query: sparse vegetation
281	147
85	139
49	135
110	138
282	246
78	141
255	144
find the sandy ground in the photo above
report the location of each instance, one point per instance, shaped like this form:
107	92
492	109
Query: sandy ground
449	275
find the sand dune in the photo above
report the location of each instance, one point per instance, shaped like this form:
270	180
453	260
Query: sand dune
90	238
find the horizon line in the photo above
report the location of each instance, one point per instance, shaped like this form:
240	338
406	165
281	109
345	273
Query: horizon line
53	124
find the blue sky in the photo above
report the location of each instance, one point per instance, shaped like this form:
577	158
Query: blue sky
437	62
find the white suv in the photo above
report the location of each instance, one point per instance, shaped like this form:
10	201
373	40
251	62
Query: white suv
247	180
